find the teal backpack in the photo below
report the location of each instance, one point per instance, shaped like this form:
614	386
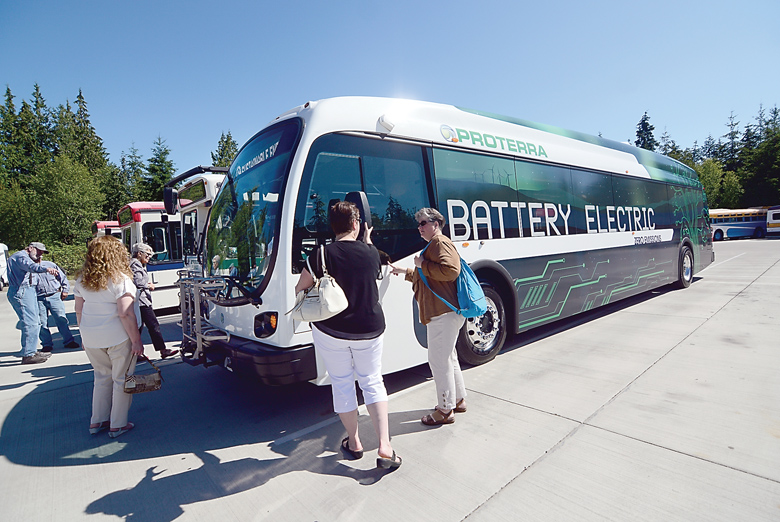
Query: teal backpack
471	298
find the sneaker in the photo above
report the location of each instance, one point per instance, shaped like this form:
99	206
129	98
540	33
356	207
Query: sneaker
47	349
73	344
34	359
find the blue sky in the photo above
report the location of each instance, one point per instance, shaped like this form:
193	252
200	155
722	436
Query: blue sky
188	71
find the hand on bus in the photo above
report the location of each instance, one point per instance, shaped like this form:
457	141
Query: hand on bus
150	286
395	270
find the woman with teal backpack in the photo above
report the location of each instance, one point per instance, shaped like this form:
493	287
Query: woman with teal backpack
439	262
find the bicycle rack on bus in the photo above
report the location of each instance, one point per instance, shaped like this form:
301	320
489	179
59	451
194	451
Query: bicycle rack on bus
195	293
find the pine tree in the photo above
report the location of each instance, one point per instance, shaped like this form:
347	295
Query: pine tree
160	171
9	149
227	148
644	134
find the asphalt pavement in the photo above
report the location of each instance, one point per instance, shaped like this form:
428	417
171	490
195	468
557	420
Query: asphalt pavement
662	407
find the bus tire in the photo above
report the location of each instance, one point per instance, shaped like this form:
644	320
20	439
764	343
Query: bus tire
759	233
718	236
481	338
685	267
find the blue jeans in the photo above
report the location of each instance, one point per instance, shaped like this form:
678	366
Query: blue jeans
24	301
53	304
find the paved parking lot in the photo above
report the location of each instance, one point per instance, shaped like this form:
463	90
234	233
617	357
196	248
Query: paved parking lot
663	407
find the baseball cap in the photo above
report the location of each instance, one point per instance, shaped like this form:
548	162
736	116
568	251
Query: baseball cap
142	247
39	246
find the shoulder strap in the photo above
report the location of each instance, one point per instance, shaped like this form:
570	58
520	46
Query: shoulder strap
434	293
308	265
324	268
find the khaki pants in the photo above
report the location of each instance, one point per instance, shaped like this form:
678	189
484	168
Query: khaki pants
109	400
443	359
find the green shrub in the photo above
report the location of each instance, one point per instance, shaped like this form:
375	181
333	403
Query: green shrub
69	257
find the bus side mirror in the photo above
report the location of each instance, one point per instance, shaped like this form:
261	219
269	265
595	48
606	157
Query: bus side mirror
361	202
170	200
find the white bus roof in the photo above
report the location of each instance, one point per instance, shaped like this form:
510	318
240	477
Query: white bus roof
451	126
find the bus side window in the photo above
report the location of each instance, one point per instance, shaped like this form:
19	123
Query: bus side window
392	175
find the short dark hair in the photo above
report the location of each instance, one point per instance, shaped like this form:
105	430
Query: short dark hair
341	215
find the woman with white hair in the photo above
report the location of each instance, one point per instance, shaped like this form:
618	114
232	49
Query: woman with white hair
142	253
440	263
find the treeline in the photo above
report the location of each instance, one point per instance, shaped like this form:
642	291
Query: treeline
739	169
56	177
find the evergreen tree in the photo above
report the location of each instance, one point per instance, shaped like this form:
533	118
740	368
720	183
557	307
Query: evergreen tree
644	134
90	151
160	171
64	131
730	150
227	148
134	170
9	150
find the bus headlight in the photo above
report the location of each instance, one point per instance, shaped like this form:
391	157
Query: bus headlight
265	324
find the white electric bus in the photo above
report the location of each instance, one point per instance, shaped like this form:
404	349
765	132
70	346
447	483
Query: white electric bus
147	222
553	223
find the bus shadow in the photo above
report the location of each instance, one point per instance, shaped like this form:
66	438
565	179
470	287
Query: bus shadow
196	415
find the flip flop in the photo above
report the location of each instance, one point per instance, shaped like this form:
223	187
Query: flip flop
352	453
120	431
98	429
392	463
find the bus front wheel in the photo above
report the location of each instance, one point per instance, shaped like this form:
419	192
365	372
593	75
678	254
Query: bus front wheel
759	233
685	267
481	338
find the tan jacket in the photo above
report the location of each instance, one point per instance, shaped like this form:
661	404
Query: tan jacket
441	266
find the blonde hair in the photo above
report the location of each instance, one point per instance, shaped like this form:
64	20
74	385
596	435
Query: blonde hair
106	258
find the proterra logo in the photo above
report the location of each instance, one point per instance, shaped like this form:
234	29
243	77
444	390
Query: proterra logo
449	134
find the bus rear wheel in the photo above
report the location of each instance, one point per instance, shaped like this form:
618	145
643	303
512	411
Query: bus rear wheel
685	267
718	236
481	338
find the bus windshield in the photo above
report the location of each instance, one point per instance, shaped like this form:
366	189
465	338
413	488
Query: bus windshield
245	215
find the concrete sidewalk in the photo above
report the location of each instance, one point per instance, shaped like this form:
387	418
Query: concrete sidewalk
665	408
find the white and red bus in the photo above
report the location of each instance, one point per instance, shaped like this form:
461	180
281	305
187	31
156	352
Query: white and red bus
102	228
147	222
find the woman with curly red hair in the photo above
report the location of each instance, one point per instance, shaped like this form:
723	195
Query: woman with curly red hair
106	313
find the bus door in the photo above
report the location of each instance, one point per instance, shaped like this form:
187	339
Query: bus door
395	178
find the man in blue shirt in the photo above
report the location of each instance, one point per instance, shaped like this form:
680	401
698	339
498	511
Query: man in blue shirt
23	273
51	292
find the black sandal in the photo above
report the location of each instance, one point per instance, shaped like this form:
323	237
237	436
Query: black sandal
391	463
352	453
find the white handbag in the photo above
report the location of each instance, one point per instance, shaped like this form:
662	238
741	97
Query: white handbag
323	300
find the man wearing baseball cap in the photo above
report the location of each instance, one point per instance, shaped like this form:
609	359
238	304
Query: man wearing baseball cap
23	271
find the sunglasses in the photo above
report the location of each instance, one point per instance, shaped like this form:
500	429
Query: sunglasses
423	223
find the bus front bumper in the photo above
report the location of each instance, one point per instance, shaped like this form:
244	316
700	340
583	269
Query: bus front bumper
272	365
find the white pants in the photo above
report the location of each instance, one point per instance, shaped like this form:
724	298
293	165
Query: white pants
109	400
443	359
345	359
